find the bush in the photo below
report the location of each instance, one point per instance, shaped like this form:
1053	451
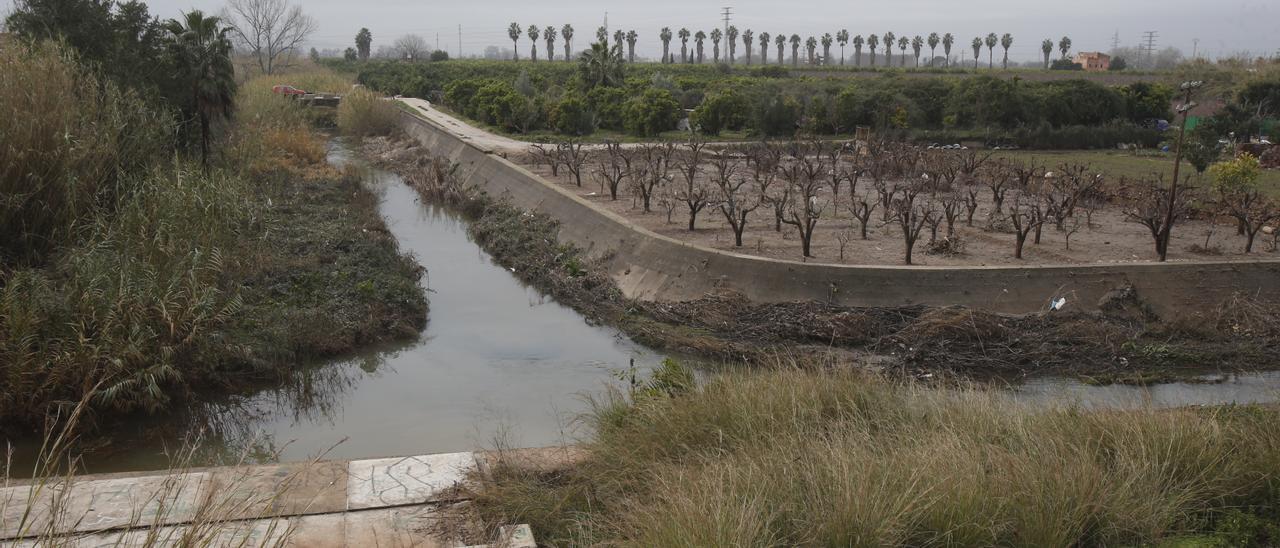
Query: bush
68	145
777	116
458	94
571	116
1065	64
363	113
724	110
608	103
653	112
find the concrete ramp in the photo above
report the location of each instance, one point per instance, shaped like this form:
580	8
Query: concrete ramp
402	501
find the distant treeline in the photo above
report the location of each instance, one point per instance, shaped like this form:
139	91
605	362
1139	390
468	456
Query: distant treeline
768	101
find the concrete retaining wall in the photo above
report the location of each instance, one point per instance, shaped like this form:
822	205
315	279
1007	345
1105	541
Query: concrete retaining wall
650	266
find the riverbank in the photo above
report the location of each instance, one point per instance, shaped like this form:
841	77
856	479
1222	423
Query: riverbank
186	282
1122	342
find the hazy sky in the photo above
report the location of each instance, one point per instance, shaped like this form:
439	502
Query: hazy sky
1222	27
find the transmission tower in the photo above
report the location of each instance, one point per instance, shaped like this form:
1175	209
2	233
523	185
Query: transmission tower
1149	44
1115	41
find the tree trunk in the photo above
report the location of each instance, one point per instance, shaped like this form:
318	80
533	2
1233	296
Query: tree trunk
1017	248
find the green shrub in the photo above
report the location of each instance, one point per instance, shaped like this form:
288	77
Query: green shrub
571	116
653	112
608	103
724	110
777	116
458	94
363	112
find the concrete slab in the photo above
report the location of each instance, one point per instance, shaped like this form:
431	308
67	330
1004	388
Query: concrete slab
285	489
405	480
405	527
87	506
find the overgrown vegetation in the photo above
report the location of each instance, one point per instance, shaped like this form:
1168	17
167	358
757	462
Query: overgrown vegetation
800	458
136	272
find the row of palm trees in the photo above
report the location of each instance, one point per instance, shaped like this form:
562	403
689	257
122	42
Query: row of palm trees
749	39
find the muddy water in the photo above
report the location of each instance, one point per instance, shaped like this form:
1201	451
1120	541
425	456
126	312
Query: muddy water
497	361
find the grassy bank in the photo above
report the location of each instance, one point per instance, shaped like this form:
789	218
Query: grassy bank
785	457
141	277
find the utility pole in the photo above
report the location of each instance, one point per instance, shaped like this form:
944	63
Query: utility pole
728	14
1115	41
1195	48
1188	89
459	41
1149	44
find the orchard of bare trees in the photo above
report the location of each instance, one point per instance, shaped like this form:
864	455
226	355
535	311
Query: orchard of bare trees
883	202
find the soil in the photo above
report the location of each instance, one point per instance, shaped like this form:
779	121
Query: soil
1110	238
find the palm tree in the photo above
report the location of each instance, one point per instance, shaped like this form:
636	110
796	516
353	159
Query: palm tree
203	50
1046	47
1064	46
811	44
873	42
947	41
602	65
514	33
977	50
795	50
1005	42
684	45
781	41
889	39
716	35
698	39
842	37
533	37
917	44
857	50
602	35
933	46
747	42
619	37
665	36
549	34
731	42
826	48
567	33
764	48
991	41
902	45
632	37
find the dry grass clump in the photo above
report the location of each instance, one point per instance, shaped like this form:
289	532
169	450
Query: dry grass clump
364	113
839	459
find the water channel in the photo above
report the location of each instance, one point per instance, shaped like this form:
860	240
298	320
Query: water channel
498	361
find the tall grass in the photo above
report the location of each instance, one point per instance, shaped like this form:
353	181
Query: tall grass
837	459
131	306
363	113
68	142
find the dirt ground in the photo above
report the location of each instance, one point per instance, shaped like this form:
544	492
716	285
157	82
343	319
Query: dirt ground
1111	238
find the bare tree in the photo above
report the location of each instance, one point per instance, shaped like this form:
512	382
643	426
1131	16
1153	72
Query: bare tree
734	203
694	193
269	30
1066	189
612	169
411	46
1157	208
804	179
861	208
1026	214
549	156
911	216
572	155
654	171
1251	210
